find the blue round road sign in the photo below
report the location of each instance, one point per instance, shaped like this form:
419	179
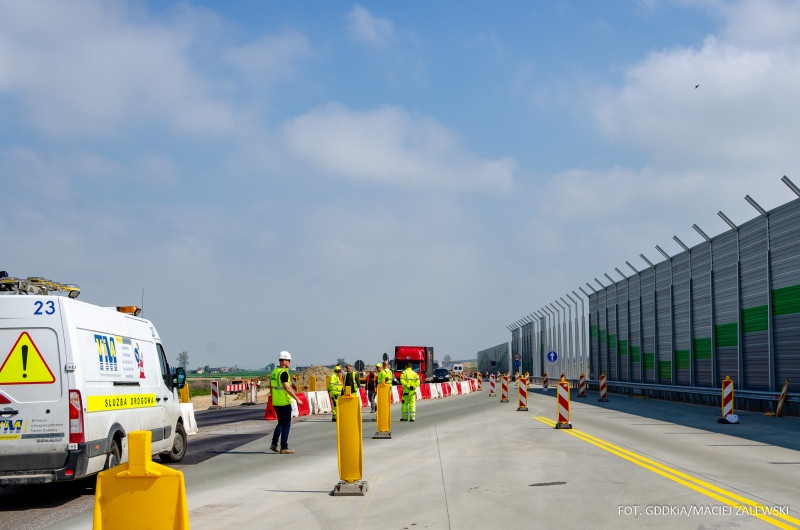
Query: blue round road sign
552	356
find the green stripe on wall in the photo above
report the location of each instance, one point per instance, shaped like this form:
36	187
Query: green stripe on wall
682	359
602	335
649	361
635	354
622	347
593	332
754	319
664	370
786	300
727	335
702	348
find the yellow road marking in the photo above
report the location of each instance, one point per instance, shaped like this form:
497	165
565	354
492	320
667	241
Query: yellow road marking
684	479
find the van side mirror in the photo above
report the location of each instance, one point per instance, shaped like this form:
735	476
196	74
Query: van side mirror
179	378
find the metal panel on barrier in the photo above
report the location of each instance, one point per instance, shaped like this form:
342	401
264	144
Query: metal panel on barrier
701	314
681	318
635	328
648	279
623	338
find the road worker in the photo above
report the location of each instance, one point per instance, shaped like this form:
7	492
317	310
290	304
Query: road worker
335	388
350	379
370	385
281	393
410	381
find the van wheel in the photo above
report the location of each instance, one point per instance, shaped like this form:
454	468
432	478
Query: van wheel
113	457
178	446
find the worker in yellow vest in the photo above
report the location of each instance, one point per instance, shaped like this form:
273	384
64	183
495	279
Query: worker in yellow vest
335	384
410	381
281	393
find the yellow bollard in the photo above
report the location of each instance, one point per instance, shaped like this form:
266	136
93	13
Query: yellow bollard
384	407
184	394
122	491
312	383
349	448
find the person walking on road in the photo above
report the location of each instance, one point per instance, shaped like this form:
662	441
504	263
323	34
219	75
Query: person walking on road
371	384
335	388
281	393
410	381
350	379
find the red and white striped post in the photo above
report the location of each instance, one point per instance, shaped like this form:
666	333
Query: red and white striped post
294	383
582	386
544	382
522	394
214	393
491	386
782	400
479	382
563	405
504	389
603	388
727	396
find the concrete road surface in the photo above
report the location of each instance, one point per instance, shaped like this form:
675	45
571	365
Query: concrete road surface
472	462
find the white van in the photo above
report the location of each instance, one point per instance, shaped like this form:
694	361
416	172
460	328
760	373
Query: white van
75	379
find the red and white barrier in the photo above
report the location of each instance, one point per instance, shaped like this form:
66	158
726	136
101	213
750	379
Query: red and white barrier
782	400
522	394
545	382
491	386
214	394
504	389
603	388
563	405
582	386
727	397
232	389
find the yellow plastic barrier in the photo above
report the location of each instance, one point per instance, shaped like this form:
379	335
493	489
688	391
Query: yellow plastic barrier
384	415
349	448
122	490
184	394
312	383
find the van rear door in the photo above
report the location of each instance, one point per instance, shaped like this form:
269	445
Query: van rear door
34	414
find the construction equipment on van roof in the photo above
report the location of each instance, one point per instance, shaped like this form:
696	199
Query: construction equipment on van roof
36	285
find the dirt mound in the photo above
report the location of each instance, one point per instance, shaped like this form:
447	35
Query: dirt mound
320	373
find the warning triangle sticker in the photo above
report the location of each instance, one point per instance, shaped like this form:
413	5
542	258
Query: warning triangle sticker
24	365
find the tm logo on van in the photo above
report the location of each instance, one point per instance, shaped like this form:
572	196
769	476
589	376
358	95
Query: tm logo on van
107	353
10	426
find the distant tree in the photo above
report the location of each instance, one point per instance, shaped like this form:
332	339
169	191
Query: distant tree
206	369
341	361
183	359
270	367
447	358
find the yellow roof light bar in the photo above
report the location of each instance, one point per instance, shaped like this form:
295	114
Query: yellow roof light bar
130	310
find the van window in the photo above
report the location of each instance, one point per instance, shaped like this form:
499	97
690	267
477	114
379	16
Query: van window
162	359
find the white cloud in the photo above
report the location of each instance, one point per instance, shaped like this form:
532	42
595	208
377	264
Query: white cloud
743	114
270	57
761	22
392	146
87	67
367	28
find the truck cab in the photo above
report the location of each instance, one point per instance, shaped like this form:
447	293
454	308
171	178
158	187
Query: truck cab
420	357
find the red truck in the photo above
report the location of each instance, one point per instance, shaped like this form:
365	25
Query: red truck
420	357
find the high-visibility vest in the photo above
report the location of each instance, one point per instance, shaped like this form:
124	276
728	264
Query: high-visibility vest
410	380
351	380
335	383
280	397
385	375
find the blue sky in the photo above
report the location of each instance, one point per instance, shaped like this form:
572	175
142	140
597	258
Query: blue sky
334	178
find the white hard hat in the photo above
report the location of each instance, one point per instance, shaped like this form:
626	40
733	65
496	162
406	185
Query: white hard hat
284	355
